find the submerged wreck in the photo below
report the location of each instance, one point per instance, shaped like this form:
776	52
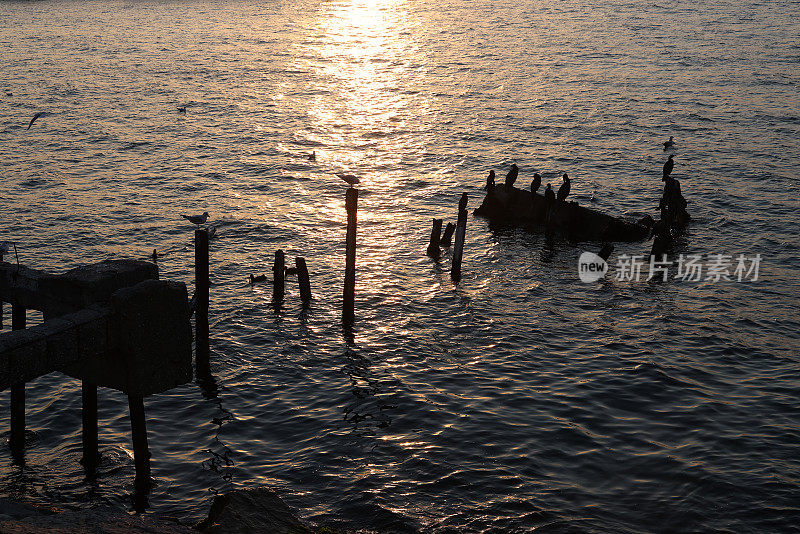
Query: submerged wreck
504	203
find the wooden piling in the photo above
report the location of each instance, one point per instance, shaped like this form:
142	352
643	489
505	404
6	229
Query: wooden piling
279	276
433	246
202	285
141	451
303	280
461	230
91	455
348	306
17	435
447	237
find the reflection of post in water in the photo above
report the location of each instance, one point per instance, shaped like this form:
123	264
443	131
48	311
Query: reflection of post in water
367	404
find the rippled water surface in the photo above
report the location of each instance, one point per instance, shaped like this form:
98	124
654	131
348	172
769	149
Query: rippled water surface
517	399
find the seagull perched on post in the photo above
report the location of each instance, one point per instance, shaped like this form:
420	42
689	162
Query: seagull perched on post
670	143
197	219
351	179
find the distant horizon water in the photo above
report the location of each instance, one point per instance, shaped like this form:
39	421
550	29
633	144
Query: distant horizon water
519	399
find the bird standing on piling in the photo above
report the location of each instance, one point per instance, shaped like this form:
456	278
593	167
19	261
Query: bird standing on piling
668	166
670	143
351	179
563	191
490	180
536	183
197	219
511	177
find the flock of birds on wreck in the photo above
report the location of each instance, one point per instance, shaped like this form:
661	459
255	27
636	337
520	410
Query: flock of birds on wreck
353	180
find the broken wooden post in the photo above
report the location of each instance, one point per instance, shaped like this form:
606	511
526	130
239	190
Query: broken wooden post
461	230
279	276
201	288
17	437
141	451
348	306
89	416
447	237
433	246
303	280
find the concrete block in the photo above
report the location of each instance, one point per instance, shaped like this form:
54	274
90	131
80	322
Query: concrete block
28	358
152	336
95	283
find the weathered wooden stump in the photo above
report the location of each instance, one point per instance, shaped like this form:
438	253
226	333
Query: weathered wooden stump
303	280
348	305
202	284
433	247
447	237
461	230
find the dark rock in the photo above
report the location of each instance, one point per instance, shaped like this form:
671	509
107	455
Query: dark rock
512	205
251	510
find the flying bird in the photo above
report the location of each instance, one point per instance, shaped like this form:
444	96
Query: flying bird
351	179
670	143
536	183
40	114
182	109
196	219
668	166
563	191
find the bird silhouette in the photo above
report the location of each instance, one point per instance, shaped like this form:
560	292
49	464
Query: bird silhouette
196	219
668	166
312	156
536	183
670	143
563	191
40	114
490	180
182	109
511	177
351	179
257	278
